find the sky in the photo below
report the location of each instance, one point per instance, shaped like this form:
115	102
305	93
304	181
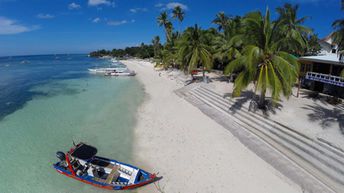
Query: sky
29	27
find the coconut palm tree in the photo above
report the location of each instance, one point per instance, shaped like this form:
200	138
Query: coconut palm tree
338	34
291	29
163	21
156	46
221	20
178	13
193	50
228	44
262	60
338	38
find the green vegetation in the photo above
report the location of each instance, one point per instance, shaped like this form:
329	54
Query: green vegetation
178	13
313	45
338	37
338	34
252	47
263	60
193	50
163	21
142	51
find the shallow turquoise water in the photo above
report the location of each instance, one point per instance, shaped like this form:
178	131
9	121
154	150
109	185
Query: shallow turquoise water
93	109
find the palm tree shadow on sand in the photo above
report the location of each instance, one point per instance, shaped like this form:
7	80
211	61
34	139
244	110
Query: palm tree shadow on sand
253	100
327	117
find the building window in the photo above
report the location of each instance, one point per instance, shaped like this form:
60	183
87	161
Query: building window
334	51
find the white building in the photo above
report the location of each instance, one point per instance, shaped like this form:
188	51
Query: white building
322	72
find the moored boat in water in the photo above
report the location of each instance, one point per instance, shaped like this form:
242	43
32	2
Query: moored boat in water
106	70
112	71
81	163
121	73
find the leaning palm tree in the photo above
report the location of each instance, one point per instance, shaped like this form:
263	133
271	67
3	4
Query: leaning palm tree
163	21
221	20
262	60
291	29
193	50
178	13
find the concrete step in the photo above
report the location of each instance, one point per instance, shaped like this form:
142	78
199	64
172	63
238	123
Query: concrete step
304	146
314	157
303	143
330	152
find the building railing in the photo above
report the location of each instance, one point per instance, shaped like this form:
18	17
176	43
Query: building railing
325	78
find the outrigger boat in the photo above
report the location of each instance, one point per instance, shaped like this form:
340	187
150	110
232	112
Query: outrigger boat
81	163
112	71
126	72
105	70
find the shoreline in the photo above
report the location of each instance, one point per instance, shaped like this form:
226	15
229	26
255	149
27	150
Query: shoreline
193	153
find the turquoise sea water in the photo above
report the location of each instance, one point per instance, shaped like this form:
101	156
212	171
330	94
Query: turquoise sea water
43	112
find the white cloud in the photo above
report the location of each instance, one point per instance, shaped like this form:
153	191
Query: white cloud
74	6
8	27
116	23
45	16
96	20
135	10
159	5
172	5
101	2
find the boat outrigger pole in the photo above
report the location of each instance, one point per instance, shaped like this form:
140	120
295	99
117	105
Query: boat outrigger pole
69	165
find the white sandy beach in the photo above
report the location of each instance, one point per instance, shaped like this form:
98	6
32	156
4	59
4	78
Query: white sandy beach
191	151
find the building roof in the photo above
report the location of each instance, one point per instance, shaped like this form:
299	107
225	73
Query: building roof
328	39
328	59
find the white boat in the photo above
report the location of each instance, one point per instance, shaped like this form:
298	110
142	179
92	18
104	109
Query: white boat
106	70
114	60
126	72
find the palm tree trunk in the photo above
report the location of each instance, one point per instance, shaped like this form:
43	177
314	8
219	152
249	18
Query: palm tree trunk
262	99
180	28
203	74
298	88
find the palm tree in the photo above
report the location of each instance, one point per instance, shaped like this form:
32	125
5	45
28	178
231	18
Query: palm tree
163	21
292	31
228	44
338	35
262	60
156	46
193	51
178	13
221	20
338	38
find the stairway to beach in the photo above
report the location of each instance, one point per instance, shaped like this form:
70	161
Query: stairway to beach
314	165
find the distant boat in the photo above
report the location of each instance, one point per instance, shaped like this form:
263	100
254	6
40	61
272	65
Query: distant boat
114	60
106	70
81	163
121	73
105	57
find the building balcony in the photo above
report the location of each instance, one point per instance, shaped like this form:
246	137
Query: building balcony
325	78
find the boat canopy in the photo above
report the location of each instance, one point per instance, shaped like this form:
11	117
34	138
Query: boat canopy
84	152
